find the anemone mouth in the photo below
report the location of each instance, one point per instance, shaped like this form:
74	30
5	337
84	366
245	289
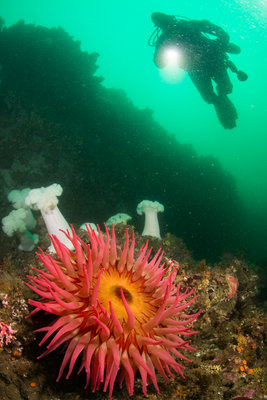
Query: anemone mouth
126	293
111	283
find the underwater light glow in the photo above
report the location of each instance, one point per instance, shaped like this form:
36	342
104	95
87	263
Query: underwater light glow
172	59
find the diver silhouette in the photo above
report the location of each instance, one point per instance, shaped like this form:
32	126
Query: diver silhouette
203	47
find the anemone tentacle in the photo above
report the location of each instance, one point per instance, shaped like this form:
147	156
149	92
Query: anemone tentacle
118	315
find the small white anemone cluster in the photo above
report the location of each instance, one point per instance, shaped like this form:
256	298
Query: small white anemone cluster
20	222
147	207
118	219
45	199
89	225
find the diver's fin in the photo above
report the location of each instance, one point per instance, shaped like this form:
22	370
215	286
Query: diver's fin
226	112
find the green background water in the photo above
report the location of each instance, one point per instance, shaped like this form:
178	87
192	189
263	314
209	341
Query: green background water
119	31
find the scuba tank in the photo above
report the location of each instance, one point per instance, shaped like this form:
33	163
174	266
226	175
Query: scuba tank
155	34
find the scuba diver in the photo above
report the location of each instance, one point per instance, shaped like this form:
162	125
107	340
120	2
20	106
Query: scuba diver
203	47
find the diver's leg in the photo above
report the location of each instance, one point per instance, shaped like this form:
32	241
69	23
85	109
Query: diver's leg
203	84
225	110
221	77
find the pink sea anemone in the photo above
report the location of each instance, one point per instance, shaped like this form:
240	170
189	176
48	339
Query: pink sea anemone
118	314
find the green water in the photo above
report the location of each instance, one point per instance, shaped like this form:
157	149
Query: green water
119	32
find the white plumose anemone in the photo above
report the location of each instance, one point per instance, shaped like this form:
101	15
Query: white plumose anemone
46	200
14	225
17	198
150	209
